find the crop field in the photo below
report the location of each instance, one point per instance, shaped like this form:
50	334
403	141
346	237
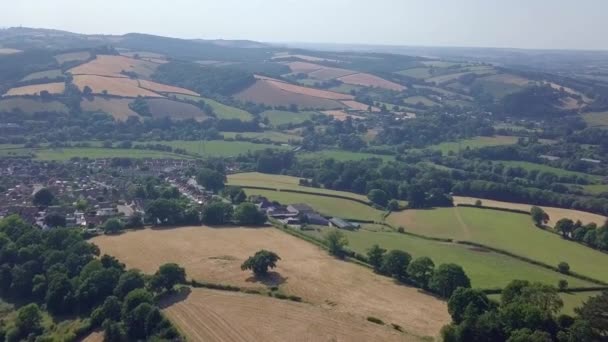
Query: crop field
496	88
345	88
283	182
305	270
35	89
303	67
324	94
221	110
163	88
487	270
112	66
73	56
596	119
343	155
477	142
219	148
207	315
272	136
420	73
509	79
280	117
368	80
275	94
97	153
340	115
124	87
328	206
508	231
118	108
354	105
143	54
30	105
327	73
555	214
50	74
412	100
175	110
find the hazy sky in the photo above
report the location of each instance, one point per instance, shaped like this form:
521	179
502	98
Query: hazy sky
578	24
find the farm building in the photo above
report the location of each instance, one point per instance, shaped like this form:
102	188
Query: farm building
316	219
342	224
300	209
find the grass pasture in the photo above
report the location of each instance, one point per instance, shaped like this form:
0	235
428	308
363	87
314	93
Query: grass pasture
281	117
118	108
325	205
369	80
420	73
99	153
546	168
283	182
221	110
508	231
175	110
477	142
414	100
272	136
218	148
35	89
80	56
32	105
305	270
596	119
284	94
343	155
49	74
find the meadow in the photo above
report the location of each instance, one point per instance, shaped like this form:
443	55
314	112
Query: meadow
596	119
273	136
546	168
329	206
221	110
343	155
512	232
477	142
283	182
99	153
218	148
280	117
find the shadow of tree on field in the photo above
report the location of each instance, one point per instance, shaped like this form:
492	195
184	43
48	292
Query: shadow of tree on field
270	279
174	298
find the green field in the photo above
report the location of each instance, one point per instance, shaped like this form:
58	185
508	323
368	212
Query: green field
507	231
421	73
545	168
325	205
571	300
99	153
270	135
31	105
596	119
221	110
345	88
50	74
486	269
281	117
283	182
477	142
414	100
498	89
219	148
596	189
343	155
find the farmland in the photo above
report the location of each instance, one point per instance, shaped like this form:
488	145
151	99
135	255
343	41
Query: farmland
508	231
279	117
368	80
325	205
215	255
283	182
555	214
31	105
35	89
545	168
270	94
343	155
596	119
117	86
175	110
95	153
50	74
221	110
414	100
207	315
73	56
163	88
486	269
272	136
118	108
113	66
218	148
477	142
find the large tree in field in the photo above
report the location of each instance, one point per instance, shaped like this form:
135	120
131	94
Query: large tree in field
375	255
421	270
447	278
539	216
260	262
336	241
167	276
395	264
565	226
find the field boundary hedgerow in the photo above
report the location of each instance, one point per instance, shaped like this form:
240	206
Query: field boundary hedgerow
304	192
509	210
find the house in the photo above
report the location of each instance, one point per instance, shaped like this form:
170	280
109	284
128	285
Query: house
342	224
316	219
107	212
300	209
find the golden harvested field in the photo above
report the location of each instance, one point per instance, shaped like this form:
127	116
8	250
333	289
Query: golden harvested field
115	86
305	270
555	214
327	73
35	89
118	108
105	65
73	56
324	94
208	315
368	80
303	67
508	78
269	93
32	105
163	88
354	105
95	336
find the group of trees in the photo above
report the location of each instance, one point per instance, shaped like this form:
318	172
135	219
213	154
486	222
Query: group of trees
59	272
526	312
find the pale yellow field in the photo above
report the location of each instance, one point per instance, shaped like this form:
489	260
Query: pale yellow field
118	108
340	114
163	88
115	86
215	255
8	51
35	89
73	56
368	80
105	65
555	214
208	315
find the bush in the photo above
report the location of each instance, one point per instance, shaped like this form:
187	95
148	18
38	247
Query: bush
401	230
562	284
375	320
397	327
563	267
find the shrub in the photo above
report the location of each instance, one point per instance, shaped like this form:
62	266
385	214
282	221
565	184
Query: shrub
563	267
562	284
397	327
375	320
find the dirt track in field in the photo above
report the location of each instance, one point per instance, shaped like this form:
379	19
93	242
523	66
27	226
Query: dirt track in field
208	315
215	255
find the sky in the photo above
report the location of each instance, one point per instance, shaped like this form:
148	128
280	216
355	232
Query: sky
536	24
